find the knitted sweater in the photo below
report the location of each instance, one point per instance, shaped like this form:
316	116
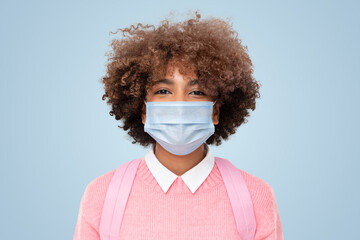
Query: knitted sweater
179	214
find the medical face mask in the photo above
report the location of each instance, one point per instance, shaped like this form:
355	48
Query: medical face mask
179	126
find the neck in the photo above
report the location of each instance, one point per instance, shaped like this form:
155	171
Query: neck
179	164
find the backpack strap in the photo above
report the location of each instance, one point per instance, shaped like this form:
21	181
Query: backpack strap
239	197
116	199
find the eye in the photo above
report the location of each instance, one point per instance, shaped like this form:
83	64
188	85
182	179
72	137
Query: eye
161	91
198	92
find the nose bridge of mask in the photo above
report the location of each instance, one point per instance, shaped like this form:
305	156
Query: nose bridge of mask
178	112
147	102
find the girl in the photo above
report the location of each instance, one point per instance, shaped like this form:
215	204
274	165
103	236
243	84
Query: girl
179	88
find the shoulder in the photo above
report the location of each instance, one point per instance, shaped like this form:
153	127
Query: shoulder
96	190
98	186
258	188
93	198
262	196
264	203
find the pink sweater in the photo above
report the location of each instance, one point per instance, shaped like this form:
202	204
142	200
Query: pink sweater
178	214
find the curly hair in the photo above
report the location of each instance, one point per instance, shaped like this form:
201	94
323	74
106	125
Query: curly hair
222	65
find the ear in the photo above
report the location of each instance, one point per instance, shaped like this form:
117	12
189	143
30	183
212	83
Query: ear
143	113
216	114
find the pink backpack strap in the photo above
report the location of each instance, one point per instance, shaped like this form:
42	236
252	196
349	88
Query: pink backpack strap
116	199
239	197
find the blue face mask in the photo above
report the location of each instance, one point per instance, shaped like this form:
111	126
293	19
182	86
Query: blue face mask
179	126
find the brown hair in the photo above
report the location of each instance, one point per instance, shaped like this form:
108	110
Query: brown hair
222	64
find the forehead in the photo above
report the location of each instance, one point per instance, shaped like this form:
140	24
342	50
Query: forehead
174	66
178	66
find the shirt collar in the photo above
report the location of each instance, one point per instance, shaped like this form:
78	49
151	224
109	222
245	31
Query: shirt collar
193	178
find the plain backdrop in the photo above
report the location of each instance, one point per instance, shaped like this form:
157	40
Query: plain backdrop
56	134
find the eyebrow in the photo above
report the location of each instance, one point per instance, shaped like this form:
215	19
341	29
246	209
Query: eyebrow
170	82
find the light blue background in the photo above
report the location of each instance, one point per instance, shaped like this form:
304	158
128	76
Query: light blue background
57	135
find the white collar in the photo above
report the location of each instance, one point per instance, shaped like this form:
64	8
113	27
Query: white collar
193	178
